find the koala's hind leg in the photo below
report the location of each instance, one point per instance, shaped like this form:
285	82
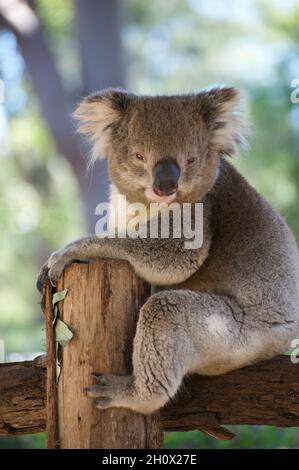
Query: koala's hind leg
181	331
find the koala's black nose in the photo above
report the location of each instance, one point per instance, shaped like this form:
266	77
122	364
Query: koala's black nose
166	176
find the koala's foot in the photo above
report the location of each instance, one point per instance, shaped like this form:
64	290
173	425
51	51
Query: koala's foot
162	348
120	391
109	390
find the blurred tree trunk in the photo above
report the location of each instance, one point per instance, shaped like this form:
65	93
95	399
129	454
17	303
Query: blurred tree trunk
99	44
102	65
98	29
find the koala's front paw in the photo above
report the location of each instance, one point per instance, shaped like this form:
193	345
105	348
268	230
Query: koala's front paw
42	277
57	263
53	268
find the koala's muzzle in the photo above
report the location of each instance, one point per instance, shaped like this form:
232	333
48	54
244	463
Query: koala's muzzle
166	175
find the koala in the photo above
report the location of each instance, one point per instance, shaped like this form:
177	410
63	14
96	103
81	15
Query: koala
229	303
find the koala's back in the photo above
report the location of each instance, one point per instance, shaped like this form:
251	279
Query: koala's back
253	257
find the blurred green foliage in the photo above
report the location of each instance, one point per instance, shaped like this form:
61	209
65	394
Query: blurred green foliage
247	437
175	46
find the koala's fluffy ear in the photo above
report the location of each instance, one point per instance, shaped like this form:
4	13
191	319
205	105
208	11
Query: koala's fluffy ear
223	112
97	114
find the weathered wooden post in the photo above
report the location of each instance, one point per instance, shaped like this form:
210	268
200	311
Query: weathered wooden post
101	309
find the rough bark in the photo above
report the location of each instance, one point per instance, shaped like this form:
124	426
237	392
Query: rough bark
22	398
101	308
266	393
51	389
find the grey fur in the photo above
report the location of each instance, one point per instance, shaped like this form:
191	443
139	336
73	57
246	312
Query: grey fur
230	303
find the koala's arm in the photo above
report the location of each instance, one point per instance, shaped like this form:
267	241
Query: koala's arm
158	261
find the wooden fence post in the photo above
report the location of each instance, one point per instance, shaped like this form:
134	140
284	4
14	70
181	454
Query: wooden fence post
101	309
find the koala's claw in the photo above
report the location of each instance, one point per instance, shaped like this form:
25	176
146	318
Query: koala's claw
105	379
42	277
100	390
53	269
99	378
109	390
104	403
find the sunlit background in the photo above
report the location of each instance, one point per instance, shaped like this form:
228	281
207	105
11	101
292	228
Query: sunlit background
54	52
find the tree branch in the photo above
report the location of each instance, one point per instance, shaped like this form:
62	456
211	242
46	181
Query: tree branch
55	106
266	393
97	72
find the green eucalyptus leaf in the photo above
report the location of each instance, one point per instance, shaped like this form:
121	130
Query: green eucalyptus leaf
58	365
58	296
55	313
62	333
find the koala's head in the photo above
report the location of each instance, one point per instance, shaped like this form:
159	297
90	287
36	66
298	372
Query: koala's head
162	148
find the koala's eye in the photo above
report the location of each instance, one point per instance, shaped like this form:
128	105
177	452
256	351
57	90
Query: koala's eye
140	157
190	160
